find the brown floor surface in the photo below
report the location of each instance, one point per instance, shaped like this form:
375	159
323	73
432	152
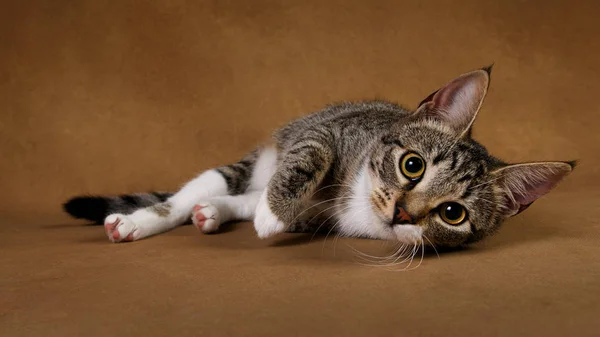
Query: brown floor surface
122	96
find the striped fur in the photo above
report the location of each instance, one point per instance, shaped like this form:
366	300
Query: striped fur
238	175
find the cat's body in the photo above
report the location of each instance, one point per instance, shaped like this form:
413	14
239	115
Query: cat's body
370	169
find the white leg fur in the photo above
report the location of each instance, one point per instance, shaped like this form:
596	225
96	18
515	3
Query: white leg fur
266	223
209	215
145	222
265	167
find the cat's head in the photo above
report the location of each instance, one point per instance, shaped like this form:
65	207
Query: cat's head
429	181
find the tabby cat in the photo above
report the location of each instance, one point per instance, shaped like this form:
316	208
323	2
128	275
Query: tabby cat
370	169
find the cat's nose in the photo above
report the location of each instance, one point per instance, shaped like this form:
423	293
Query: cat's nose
401	216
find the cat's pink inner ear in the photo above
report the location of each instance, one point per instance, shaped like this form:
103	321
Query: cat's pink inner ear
458	102
525	183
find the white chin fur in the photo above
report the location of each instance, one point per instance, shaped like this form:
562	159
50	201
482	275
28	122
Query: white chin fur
409	234
357	216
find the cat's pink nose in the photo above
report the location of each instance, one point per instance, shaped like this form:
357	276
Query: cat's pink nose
401	216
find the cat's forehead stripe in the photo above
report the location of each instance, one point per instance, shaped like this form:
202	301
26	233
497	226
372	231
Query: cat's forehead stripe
390	140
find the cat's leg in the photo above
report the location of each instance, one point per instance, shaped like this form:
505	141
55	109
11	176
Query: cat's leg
299	173
207	216
166	215
161	217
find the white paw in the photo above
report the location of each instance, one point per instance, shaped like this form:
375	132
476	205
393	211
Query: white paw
119	228
206	217
266	223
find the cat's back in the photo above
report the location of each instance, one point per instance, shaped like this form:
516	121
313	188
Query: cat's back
343	119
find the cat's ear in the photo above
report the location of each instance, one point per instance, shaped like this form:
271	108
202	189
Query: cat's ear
522	184
458	102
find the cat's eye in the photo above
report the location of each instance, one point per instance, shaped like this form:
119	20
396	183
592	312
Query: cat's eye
453	213
412	166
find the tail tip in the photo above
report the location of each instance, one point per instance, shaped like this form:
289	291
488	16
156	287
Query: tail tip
86	207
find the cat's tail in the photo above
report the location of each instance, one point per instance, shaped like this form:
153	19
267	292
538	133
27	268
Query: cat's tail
96	208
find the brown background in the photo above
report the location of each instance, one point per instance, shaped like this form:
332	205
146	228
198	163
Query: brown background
123	96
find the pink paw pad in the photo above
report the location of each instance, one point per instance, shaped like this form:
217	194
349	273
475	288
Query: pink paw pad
206	218
198	216
119	229
111	226
115	235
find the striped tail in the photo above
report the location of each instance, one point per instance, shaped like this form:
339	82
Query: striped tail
96	208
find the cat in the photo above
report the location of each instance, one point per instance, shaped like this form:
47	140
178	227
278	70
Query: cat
371	169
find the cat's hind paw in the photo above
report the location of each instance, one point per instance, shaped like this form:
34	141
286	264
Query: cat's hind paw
206	218
119	228
266	223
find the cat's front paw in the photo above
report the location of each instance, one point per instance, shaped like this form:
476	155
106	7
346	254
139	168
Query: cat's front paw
266	223
119	228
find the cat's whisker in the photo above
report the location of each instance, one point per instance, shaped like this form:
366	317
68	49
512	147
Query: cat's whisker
412	256
401	255
398	253
329	186
323	211
370	260
338	235
432	245
375	259
328	208
395	262
413	253
375	264
325	240
322	202
380	259
409	258
422	256
364	256
407	253
346	205
335	240
402	251
335	225
422	248
325	221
